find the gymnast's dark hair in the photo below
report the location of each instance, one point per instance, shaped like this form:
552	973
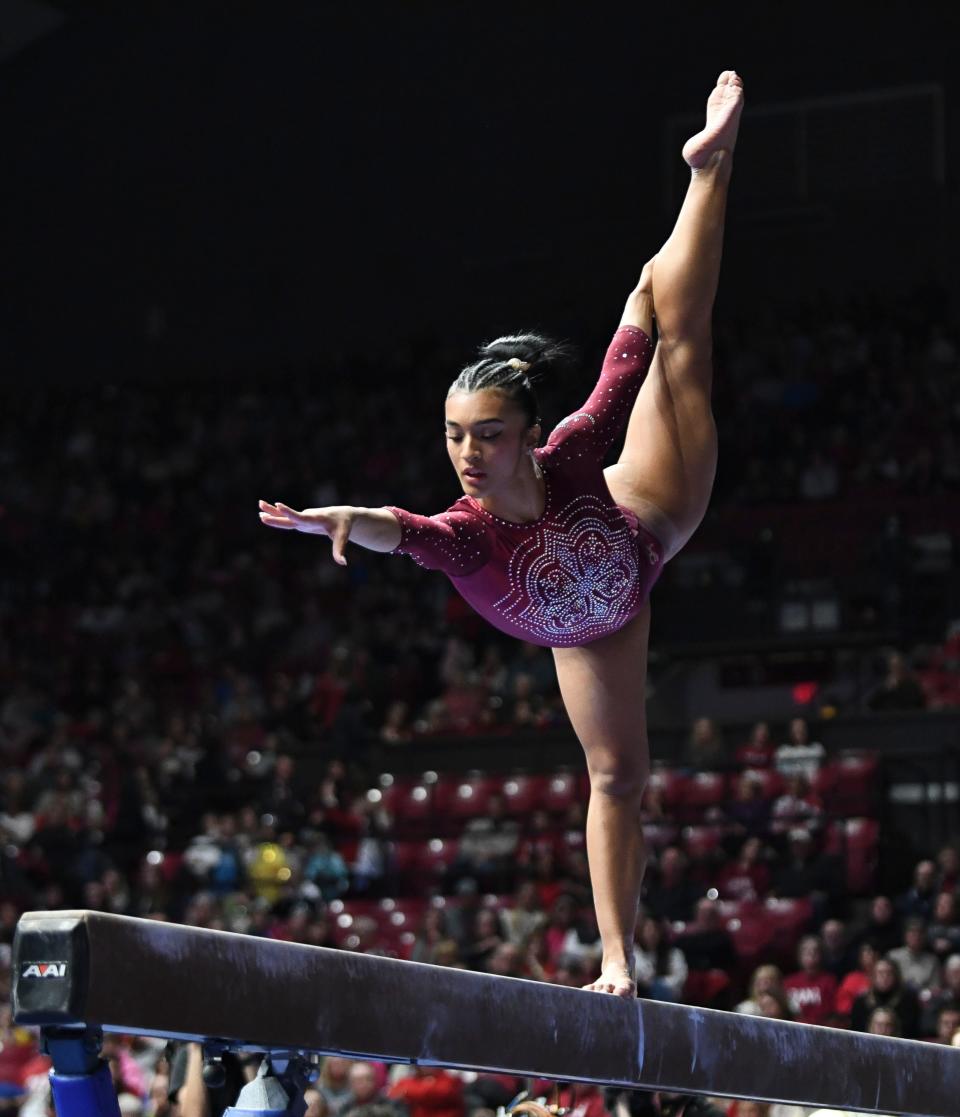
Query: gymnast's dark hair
493	368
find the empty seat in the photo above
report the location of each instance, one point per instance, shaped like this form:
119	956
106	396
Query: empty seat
523	794
560	791
703	790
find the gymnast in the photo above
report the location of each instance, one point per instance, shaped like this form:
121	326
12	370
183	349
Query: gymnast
551	547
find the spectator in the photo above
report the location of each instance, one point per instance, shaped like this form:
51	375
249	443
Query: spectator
883	1022
758	750
661	967
673	894
900	689
749	810
804	874
326	869
888	991
748	877
430	1092
774	1005
943	934
488	846
366	1090
837	958
334	1084
434	929
883	926
947	996
799	755
488	934
919	968
948	869
526	916
582	940
811	991
919	898
765	979
705	748
948	1023
570	971
539	837
796	808
507	960
561	919
706	943
857	981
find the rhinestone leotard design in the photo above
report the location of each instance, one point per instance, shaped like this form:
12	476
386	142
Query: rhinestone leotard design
586	566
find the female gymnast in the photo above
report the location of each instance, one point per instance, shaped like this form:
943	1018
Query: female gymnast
553	548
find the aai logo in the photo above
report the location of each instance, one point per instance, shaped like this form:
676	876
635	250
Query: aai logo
44	969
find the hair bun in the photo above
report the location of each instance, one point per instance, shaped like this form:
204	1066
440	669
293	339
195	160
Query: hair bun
528	350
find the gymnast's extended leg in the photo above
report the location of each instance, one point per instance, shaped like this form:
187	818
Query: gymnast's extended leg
665	475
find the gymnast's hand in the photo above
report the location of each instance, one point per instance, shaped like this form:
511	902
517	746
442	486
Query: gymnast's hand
332	522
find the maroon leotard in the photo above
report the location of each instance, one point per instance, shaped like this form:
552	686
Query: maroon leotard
585	568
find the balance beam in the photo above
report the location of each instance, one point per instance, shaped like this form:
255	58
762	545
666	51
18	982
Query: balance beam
85	968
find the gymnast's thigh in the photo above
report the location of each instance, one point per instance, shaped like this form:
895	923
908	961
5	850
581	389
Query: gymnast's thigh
666	470
603	688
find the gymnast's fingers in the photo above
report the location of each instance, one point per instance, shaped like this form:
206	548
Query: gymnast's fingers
341	534
277	521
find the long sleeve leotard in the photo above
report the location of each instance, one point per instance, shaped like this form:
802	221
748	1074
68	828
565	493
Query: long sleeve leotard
586	566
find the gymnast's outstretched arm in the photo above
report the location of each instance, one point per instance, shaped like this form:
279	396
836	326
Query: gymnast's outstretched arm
377	529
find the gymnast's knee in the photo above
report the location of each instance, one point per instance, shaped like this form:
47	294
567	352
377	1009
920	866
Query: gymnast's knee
624	781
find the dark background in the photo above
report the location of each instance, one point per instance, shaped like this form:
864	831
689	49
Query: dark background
268	183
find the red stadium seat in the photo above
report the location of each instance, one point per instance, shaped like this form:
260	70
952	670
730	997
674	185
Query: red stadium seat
769	779
465	797
659	835
752	936
560	791
408	798
703	790
670	785
523	794
701	841
863	848
855	786
707	989
436	856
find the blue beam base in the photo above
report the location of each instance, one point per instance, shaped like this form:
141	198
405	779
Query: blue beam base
85	1095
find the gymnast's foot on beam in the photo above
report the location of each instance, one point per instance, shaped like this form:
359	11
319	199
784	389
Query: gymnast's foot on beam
616	978
723	121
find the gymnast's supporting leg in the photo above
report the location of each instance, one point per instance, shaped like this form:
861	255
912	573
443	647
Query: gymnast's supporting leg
602	684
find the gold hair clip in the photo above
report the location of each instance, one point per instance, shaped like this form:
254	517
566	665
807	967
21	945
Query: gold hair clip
515	362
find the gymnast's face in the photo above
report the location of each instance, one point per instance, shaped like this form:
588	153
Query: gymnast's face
488	440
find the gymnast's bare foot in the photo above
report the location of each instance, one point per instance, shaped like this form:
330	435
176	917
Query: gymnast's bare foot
723	120
616	978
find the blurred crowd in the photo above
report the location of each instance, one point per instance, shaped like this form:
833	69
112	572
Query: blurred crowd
140	589
88	823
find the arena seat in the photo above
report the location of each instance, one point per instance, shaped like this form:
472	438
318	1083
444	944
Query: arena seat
436	857
701	791
849	785
670	784
463	797
752	936
769	779
862	854
660	834
701	841
560	792
523	794
409	799
707	988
